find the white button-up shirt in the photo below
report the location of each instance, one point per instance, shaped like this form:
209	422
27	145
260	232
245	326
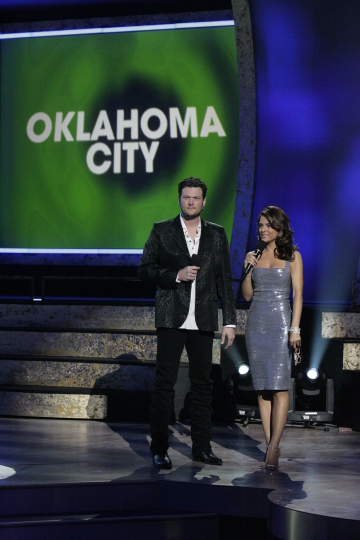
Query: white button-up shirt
193	247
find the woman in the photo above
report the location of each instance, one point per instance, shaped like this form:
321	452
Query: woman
271	328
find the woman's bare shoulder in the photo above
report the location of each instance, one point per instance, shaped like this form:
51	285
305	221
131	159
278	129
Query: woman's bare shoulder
297	262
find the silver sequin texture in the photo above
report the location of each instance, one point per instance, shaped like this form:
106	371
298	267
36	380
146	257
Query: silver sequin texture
267	329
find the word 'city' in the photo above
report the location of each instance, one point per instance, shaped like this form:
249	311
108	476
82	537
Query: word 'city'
71	126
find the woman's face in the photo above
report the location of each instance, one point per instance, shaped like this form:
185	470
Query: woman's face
266	232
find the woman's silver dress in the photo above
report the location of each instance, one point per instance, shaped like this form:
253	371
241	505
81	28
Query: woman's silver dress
267	329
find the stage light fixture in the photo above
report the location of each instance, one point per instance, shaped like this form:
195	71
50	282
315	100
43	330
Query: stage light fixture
312	373
311	397
242	369
244	398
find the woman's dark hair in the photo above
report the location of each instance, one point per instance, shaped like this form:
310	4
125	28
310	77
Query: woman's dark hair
284	241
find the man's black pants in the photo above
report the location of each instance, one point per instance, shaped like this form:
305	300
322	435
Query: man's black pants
170	345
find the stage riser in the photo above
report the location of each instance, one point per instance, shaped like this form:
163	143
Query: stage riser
51	346
190	497
341	325
288	524
161	528
130	318
78	374
97	470
344	326
77	498
78	345
90	500
123	394
39	405
351	356
89	345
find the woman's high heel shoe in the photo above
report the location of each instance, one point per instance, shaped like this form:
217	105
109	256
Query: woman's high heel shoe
272	466
261	465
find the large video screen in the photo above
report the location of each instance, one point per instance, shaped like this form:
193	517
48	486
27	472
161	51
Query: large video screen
97	130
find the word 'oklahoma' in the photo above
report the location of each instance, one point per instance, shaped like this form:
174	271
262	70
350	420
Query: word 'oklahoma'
65	128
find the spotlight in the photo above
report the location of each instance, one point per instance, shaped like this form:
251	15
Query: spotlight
244	398
240	400
242	368
311	397
312	373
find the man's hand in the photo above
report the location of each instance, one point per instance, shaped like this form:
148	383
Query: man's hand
188	273
230	334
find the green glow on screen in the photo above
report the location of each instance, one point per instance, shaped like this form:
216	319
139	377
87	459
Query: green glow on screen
50	198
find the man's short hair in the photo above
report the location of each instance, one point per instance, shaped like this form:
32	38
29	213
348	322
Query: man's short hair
192	182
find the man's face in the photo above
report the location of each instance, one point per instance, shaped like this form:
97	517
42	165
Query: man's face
191	202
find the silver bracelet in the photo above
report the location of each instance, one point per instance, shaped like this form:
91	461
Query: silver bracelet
294	329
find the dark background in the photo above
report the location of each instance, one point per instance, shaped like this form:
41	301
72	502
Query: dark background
44	10
307	59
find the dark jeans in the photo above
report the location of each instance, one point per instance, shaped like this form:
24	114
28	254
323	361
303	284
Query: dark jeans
170	345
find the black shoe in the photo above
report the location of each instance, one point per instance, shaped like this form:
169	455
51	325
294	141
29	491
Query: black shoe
206	456
162	461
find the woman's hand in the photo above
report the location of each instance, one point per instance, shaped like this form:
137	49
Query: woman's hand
246	286
296	270
295	340
251	259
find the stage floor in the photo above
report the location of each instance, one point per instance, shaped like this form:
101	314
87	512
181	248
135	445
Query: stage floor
318	479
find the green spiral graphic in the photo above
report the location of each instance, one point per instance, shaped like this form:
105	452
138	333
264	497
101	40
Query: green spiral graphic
49	197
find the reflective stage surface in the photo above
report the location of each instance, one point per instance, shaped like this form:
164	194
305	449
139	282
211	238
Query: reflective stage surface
314	494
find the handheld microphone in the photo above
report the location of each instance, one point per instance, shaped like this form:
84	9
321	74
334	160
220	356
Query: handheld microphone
194	261
260	246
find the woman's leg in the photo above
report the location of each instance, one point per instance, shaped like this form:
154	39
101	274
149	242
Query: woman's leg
264	399
279	412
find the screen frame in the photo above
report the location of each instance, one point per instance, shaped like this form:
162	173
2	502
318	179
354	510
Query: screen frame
45	33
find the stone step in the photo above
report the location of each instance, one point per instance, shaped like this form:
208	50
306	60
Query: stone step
92	360
84	344
83	390
351	356
341	325
138	347
32	401
87	317
55	363
110	374
79	403
76	317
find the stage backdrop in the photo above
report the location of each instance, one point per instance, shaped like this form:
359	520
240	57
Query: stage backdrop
308	139
97	131
307	57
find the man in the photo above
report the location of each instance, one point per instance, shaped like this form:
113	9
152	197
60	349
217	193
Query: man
186	314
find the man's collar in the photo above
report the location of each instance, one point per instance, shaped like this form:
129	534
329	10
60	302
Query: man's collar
183	223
